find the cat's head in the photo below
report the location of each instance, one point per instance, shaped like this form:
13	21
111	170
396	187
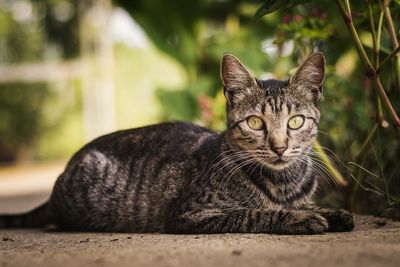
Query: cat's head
274	121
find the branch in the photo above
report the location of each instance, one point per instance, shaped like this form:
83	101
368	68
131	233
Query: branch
379	114
373	31
366	143
376	43
390	24
392	33
371	72
378	37
393	54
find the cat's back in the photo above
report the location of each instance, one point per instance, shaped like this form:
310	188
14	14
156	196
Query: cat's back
150	138
122	181
173	139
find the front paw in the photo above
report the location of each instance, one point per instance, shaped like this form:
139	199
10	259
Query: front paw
339	220
306	223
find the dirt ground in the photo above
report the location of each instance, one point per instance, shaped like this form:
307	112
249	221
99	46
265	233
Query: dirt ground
374	242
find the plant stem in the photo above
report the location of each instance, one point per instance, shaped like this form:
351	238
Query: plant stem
392	33
373	31
378	37
366	142
360	157
376	41
379	114
389	21
385	100
386	60
370	69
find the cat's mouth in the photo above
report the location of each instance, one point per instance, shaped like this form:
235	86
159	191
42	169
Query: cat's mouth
278	161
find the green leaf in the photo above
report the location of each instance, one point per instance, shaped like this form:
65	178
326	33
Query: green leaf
270	6
178	105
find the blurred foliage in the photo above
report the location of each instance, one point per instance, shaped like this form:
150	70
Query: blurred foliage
21	118
61	21
44	120
197	33
194	35
33	31
272	47
136	84
20	112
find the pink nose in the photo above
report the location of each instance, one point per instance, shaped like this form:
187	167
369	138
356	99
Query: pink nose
279	150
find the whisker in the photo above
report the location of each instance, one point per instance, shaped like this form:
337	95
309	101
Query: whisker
320	164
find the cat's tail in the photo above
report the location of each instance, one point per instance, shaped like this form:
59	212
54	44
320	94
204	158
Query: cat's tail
36	218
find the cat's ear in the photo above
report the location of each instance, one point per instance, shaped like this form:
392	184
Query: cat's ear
236	79
310	76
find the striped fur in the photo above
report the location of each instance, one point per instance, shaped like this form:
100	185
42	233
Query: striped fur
181	178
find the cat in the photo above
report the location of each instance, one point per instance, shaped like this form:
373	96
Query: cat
256	177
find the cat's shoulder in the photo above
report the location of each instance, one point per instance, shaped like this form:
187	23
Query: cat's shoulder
163	130
183	126
171	133
167	127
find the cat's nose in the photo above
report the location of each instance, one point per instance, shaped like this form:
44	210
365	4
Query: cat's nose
279	150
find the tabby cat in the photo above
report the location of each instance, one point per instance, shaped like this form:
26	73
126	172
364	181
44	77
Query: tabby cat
256	177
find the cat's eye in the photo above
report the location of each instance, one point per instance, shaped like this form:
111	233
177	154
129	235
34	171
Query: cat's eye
255	123
296	122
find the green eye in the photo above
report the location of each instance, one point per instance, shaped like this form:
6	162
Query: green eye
296	122
255	123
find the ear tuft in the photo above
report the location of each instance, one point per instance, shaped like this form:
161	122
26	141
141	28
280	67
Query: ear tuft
236	79
311	72
310	76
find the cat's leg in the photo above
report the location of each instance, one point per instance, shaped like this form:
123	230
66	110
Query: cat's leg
211	221
339	220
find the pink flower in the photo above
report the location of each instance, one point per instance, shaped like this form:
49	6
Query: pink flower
297	18
286	18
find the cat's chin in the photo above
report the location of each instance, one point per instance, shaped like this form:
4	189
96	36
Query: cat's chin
278	164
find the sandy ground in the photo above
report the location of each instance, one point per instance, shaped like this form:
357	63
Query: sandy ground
374	242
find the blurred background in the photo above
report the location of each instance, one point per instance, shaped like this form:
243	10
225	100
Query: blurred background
73	70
